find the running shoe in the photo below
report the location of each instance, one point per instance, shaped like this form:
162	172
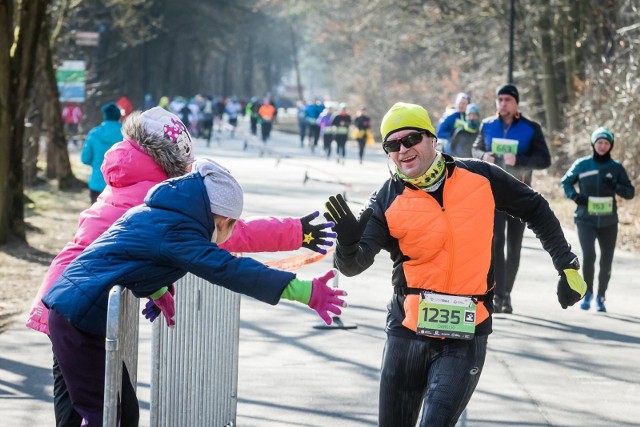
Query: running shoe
497	304
506	304
586	301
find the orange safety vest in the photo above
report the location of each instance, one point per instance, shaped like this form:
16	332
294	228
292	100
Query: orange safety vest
449	248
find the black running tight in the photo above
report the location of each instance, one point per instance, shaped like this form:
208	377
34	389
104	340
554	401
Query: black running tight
437	375
606	238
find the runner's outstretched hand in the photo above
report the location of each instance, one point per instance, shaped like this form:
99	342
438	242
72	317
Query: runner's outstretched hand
348	228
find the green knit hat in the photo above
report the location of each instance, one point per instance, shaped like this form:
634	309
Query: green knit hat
600	133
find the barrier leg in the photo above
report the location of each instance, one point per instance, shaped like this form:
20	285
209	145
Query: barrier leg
121	347
113	362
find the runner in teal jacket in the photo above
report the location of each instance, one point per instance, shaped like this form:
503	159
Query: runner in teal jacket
600	179
98	142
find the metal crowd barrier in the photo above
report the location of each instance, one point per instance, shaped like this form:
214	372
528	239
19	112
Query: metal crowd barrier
121	346
194	366
194	373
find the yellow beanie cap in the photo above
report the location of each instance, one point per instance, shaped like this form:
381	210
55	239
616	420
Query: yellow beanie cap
405	116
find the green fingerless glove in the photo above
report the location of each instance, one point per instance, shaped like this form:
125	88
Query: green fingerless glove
298	290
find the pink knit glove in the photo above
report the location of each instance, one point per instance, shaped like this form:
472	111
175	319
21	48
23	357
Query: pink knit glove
324	298
167	306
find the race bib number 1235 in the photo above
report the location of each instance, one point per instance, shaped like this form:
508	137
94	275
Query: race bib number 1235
446	316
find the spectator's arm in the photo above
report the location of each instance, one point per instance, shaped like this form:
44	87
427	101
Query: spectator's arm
478	149
87	150
538	156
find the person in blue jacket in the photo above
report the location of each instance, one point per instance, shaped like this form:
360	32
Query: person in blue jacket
98	142
599	179
455	119
177	230
312	113
516	144
463	137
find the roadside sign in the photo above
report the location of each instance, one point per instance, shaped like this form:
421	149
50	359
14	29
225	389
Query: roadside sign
71	81
87	38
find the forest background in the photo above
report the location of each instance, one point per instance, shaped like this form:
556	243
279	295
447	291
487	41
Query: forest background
574	62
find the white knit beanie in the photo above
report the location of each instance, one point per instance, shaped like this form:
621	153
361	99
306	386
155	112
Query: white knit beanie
225	193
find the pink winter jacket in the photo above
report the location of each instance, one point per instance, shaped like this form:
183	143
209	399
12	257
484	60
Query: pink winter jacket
130	172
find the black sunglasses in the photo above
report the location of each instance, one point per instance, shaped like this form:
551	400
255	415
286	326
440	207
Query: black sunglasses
393	146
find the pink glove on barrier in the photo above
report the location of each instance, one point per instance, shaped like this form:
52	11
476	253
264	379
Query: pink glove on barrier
166	304
324	298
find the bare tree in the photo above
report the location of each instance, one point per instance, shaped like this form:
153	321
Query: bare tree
17	64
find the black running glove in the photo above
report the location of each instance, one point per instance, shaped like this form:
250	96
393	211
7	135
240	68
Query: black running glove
571	286
348	228
609	182
580	199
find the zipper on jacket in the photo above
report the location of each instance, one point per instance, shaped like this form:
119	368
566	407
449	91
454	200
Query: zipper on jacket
505	130
598	193
447	283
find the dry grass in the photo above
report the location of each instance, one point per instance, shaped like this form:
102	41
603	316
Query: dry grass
51	220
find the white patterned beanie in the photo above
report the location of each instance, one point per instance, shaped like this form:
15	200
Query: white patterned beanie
163	136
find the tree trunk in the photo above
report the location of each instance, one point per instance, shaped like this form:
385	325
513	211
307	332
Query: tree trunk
248	67
36	112
571	68
32	15
569	25
549	89
32	139
226	75
52	165
168	52
57	142
267	68
6	40
296	65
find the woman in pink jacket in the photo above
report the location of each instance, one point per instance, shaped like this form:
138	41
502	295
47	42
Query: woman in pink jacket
157	146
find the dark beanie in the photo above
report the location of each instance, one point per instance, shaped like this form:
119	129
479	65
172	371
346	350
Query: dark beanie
111	112
509	89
